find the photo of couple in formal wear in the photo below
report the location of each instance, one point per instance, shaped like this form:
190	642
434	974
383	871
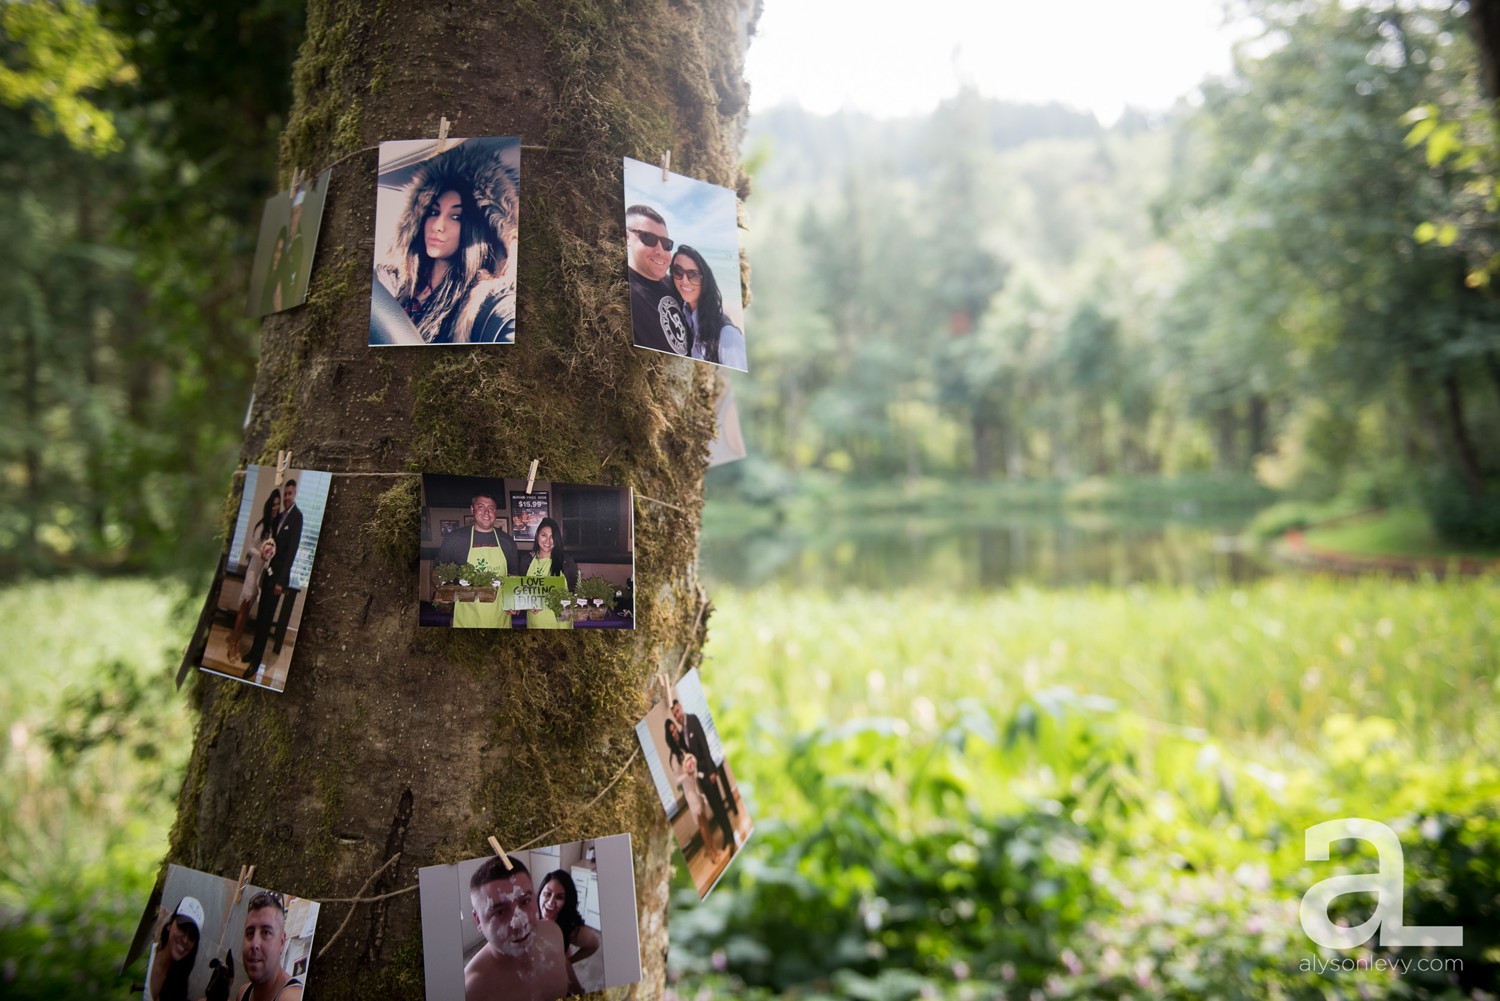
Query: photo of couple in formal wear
704	806
683	261
447	215
284	251
532	925
256	608
728	444
210	938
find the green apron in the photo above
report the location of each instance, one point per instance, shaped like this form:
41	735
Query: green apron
482	614
542	618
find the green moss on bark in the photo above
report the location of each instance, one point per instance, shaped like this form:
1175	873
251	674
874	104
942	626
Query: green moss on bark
496	733
326	114
334	283
396	528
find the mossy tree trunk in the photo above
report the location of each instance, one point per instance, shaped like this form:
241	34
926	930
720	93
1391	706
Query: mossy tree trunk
394	739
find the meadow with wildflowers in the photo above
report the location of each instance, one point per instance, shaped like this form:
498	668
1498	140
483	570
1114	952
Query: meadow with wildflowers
1087	793
1099	792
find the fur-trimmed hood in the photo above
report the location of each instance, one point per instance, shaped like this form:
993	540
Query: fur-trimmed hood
485	310
472	165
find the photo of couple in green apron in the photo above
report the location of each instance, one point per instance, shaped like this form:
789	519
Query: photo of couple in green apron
481	576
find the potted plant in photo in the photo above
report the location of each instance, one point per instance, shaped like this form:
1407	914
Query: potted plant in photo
483	580
595	593
446	577
464	582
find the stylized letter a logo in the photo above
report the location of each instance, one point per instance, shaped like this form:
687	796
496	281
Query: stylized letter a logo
1385	883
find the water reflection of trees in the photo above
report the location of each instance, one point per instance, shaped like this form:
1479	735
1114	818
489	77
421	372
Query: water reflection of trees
1047	553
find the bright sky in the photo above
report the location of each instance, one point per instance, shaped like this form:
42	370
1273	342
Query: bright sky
896	57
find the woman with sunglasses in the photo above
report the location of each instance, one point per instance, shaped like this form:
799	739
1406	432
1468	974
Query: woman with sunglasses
716	339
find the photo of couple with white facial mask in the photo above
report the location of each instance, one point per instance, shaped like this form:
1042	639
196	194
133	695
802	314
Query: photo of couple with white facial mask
536	925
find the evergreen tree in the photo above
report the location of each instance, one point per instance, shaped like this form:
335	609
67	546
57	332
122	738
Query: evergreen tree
390	740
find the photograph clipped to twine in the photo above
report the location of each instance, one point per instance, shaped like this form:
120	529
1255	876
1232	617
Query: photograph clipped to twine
284	251
534	925
704	806
447	214
216	937
682	243
495	555
249	629
728	444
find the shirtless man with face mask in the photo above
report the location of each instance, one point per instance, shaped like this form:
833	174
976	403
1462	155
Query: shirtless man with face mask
523	958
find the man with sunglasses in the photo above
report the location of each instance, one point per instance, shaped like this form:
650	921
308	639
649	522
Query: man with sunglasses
655	310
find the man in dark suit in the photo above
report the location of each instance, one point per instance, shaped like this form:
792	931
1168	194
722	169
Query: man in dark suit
695	740
287	537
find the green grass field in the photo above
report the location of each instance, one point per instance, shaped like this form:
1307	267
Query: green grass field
95	742
1093	780
1404	531
1150	756
1267	665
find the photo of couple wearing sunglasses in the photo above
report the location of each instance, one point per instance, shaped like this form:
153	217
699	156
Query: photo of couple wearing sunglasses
684	300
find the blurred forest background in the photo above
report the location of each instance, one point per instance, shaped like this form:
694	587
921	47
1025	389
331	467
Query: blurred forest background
1017	648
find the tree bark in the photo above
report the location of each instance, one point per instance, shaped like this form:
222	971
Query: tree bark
390	739
986	438
1257	423
31	461
1463	443
793	406
95	438
1226	430
1492	369
1484	23
1013	441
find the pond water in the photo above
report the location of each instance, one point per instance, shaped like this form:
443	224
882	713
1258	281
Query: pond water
1041	550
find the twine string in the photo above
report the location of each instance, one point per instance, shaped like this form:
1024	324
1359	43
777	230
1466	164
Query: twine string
366	149
354	904
359	898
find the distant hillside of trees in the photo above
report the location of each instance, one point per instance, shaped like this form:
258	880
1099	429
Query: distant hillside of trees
799	149
1292	280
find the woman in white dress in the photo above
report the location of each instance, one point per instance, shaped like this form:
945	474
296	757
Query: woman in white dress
685	773
258	550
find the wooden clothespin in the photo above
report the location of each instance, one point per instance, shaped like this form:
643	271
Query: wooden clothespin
442	133
246	874
531	475
501	852
296	183
666	166
283	463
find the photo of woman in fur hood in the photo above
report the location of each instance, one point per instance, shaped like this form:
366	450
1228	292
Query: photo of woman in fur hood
448	221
